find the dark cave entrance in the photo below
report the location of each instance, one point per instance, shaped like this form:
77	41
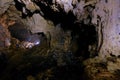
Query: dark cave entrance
84	35
33	63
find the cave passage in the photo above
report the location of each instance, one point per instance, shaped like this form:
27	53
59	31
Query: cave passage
59	55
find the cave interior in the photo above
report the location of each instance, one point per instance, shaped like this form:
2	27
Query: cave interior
44	43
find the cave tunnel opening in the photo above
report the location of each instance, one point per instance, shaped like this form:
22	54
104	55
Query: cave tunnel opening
87	36
84	35
35	65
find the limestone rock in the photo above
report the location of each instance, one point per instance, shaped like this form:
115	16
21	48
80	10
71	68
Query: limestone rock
4	5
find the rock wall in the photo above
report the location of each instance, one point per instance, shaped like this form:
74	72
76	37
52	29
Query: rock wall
97	12
106	16
4	5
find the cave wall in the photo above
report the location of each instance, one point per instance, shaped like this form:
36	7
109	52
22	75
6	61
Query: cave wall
4	5
106	16
103	14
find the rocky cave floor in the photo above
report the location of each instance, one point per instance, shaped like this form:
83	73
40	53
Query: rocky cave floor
69	56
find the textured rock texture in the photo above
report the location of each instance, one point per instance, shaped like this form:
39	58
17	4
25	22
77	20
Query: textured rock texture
108	13
4	5
4	37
